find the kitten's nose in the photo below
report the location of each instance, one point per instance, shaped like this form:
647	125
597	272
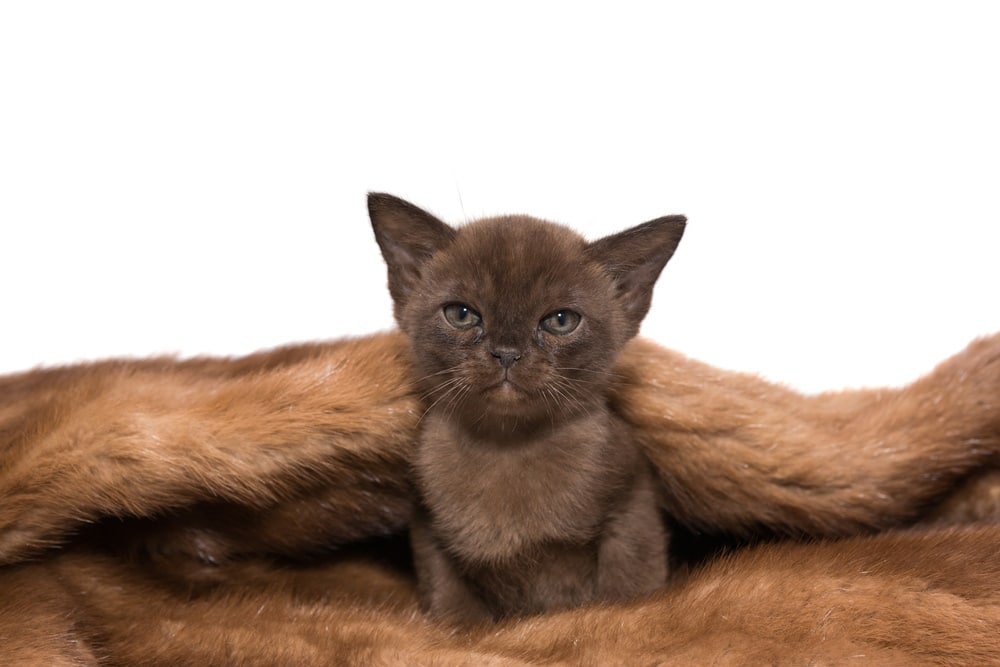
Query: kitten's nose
506	355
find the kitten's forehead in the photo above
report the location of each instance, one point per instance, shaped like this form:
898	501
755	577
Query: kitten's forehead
521	239
515	256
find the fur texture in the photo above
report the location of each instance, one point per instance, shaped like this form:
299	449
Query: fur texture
202	512
893	599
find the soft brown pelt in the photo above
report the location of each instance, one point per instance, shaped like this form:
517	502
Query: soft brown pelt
247	511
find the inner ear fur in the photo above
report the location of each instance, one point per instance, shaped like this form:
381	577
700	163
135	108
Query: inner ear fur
408	236
634	259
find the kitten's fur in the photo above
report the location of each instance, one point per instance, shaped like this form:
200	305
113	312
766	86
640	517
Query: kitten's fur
532	495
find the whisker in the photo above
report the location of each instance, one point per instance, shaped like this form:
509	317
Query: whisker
437	390
570	394
546	395
594	382
443	385
450	392
450	369
609	374
563	396
457	399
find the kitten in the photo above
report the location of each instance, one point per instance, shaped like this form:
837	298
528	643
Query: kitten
532	496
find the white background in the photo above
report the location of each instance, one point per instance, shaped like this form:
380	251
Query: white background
189	177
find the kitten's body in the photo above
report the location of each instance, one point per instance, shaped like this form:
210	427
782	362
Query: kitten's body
534	525
533	497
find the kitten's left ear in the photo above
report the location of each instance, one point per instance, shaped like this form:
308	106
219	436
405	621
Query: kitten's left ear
635	257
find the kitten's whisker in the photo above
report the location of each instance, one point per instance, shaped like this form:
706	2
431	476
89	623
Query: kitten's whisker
481	417
569	394
451	369
455	388
603	374
456	400
560	395
441	386
571	383
546	394
575	386
568	379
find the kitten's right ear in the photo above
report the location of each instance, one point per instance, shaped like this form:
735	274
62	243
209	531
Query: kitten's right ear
408	236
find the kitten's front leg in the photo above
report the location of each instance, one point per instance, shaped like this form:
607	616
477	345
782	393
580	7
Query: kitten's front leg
632	556
443	592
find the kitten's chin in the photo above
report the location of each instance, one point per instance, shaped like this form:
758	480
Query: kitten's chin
506	393
508	399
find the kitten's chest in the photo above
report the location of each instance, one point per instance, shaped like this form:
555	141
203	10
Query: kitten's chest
491	503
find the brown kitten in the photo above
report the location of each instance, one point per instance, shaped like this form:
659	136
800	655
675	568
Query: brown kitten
532	495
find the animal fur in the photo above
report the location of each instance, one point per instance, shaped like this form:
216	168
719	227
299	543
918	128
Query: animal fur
212	512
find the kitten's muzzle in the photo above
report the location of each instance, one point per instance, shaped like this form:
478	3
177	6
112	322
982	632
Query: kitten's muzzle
506	355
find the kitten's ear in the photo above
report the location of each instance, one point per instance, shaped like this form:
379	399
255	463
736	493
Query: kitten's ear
635	257
408	236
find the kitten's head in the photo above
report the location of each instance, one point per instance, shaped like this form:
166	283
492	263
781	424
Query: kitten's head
514	320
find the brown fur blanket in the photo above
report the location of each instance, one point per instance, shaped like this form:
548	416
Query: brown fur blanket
248	511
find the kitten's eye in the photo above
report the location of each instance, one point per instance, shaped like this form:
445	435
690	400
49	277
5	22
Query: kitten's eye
461	316
561	322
